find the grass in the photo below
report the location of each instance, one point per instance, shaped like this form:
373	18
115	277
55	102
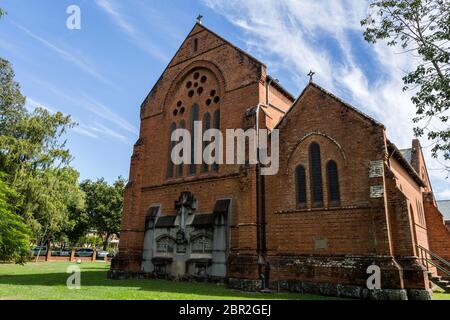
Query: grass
47	281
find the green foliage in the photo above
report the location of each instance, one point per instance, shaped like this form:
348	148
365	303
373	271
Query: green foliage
104	205
34	156
423	27
92	240
14	233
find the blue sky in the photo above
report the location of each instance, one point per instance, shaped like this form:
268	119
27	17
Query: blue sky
101	73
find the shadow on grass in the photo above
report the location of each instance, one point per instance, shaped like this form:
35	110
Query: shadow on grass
98	278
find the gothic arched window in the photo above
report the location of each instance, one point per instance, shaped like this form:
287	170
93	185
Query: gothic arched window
206	126
300	185
201	244
216	125
194	118
333	183
315	167
180	166
165	245
172	128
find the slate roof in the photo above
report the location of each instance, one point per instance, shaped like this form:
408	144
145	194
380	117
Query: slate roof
165	222
405	163
203	220
407	154
444	208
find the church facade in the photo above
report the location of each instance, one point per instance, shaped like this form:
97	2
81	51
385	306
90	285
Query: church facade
345	197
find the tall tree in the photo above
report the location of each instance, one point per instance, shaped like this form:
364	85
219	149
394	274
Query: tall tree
14	233
422	27
104	205
33	154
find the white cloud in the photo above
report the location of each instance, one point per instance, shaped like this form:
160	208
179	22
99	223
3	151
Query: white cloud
444	195
136	36
80	63
101	129
84	130
106	113
32	104
96	109
297	36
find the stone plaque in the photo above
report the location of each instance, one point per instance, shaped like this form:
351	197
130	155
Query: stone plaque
320	243
376	169
376	191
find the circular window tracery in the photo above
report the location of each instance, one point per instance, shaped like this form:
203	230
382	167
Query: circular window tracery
196	84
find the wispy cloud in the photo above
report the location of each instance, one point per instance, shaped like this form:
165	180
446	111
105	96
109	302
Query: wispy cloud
32	104
135	35
86	131
92	127
325	36
77	61
101	129
106	113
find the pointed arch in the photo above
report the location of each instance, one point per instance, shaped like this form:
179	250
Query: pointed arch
180	167
194	117
315	167
216	125
334	196
300	185
170	164
206	126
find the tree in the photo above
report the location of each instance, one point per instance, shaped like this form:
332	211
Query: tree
78	225
104	206
423	27
34	156
52	195
14	233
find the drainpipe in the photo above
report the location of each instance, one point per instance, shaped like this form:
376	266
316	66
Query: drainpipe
263	267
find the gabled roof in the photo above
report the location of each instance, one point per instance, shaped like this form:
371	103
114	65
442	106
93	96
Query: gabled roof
229	43
331	95
280	88
405	163
196	26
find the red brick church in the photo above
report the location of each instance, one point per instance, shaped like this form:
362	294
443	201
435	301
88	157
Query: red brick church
345	196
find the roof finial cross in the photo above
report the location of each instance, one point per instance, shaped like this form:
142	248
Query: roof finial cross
311	75
199	19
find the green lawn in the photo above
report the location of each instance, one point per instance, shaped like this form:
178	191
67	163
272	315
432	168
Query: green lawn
47	281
